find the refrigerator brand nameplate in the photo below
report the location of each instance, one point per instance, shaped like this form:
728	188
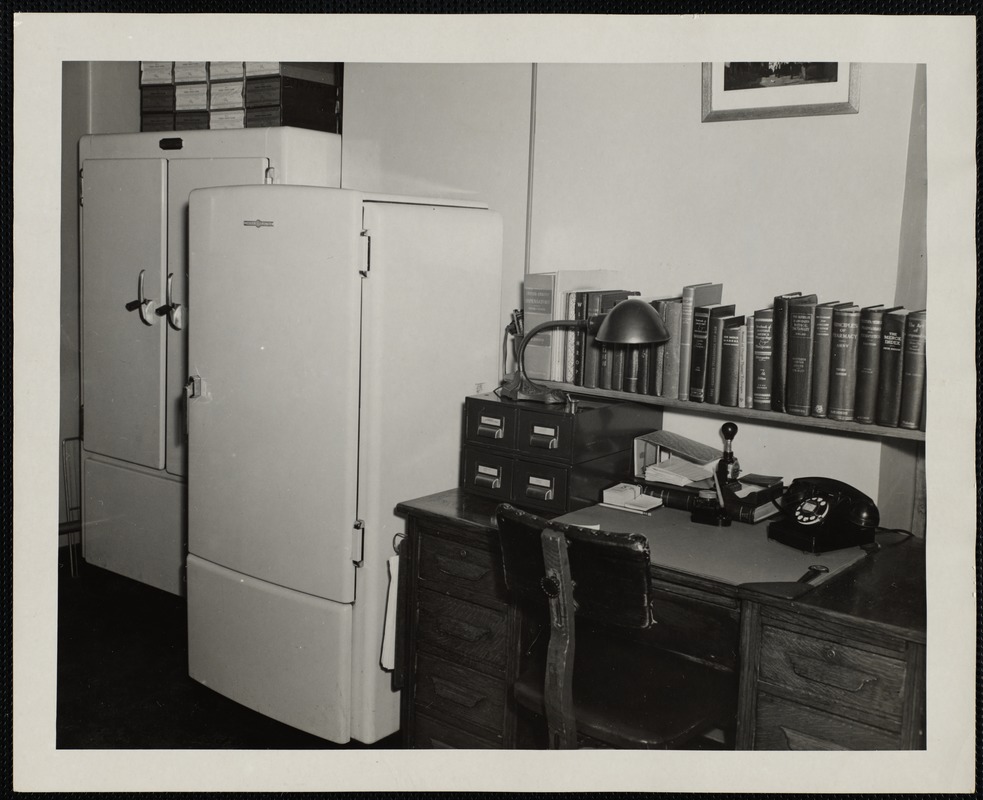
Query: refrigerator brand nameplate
257	223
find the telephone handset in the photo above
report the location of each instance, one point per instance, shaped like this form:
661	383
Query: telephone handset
822	514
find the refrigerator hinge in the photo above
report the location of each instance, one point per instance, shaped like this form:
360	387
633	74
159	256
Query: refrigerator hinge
358	541
365	256
80	190
271	174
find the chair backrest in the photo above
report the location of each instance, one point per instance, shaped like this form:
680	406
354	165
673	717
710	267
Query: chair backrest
609	570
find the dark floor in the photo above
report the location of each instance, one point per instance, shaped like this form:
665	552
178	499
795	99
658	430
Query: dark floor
123	675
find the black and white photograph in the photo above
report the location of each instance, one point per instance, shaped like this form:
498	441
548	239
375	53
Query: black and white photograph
413	408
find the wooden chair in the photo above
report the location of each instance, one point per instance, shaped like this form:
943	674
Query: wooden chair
581	592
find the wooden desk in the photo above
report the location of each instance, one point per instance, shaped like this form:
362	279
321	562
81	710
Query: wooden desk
458	635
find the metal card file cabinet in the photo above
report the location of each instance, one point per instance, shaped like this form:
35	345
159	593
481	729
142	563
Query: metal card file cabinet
548	458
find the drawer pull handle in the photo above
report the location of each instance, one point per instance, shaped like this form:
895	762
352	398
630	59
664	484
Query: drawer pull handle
457	569
461	630
547	441
796	740
448	691
539	492
491	431
488	481
849	680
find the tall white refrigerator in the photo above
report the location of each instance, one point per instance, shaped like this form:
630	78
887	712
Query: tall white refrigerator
135	320
336	336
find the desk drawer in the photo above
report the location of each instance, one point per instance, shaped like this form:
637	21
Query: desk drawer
448	565
540	486
488	473
783	725
835	675
544	435
462	628
430	734
460	695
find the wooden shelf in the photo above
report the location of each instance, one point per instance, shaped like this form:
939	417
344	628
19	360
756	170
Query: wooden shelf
766	417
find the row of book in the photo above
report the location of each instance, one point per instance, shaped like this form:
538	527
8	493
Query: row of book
797	356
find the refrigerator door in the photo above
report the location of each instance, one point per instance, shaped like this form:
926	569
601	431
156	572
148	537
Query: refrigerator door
274	356
430	337
123	228
184	175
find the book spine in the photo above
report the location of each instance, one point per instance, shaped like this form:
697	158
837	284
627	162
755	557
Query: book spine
747	384
698	355
537	304
779	353
685	342
889	380
843	364
868	364
671	350
798	392
632	355
820	360
712	393
687	500
913	372
645	377
579	312
570	339
730	367
618	357
658	354
761	388
592	348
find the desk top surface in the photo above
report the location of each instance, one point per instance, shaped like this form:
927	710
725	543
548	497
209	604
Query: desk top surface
886	589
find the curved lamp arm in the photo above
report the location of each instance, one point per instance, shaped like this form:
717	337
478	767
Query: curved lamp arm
521	387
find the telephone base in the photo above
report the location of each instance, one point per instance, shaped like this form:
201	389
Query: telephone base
823	540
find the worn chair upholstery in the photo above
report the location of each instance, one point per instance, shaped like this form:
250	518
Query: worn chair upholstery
583	591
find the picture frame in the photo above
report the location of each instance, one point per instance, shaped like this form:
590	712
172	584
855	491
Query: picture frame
767	90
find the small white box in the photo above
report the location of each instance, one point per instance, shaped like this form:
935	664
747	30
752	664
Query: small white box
225	70
225	95
191	97
156	72
227	120
190	71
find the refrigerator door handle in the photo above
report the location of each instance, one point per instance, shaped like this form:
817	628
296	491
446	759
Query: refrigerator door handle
146	307
173	311
195	387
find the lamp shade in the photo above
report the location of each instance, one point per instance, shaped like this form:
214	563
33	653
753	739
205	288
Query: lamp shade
632	321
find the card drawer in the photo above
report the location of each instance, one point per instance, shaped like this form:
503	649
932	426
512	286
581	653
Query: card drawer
783	725
542	435
454	565
540	486
462	628
458	694
490	423
488	473
836	675
430	734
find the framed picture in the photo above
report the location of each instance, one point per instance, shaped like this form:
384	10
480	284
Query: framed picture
767	89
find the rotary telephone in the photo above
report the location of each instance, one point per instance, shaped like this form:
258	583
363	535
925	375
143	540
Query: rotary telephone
822	514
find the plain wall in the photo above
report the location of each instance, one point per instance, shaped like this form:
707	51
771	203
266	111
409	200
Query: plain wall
626	176
459	131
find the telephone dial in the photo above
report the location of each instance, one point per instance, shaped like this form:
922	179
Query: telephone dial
822	514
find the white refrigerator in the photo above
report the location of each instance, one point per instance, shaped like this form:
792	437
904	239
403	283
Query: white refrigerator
336	336
135	318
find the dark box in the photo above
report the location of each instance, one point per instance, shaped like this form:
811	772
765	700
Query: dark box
157	121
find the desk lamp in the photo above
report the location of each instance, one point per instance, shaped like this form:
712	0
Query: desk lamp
631	321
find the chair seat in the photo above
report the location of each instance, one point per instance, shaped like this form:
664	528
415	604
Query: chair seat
631	696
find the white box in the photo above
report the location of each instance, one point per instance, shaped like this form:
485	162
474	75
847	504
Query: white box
156	72
190	71
227	120
225	95
225	70
191	97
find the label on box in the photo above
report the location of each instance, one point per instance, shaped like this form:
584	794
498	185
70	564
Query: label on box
156	72
263	117
191	97
263	91
224	70
224	120
190	71
225	95
262	68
